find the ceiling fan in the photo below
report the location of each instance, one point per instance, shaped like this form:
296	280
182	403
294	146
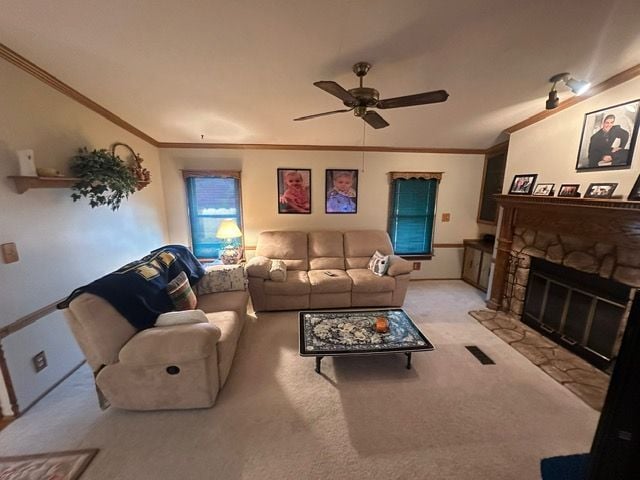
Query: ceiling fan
361	99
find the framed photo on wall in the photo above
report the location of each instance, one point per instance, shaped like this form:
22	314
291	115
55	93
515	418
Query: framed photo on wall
341	191
544	189
294	190
569	190
609	137
523	184
600	190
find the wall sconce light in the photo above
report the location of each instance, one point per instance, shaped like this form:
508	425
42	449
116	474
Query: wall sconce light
576	86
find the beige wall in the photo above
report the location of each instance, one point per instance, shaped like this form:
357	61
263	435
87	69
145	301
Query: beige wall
62	245
550	147
458	193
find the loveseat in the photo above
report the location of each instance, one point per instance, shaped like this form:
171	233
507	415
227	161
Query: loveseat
326	269
177	366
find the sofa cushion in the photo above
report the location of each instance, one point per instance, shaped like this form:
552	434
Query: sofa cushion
322	283
181	317
258	266
364	280
288	246
297	283
326	250
278	271
360	245
181	293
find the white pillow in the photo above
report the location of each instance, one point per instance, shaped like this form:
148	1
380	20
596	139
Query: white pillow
181	317
379	263
278	271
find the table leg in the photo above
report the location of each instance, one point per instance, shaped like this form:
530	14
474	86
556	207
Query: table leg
318	360
408	354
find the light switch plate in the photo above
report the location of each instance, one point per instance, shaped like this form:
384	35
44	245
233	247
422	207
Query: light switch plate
9	252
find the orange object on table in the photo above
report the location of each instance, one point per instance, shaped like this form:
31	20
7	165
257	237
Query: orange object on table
382	325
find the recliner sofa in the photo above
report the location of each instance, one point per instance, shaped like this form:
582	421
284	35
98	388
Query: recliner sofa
308	256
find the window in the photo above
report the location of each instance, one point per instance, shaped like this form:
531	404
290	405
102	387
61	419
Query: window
412	208
212	197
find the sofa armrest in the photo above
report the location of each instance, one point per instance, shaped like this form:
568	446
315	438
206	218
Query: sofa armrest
168	345
258	267
398	266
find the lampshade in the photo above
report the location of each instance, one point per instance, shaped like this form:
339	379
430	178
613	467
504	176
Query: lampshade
228	229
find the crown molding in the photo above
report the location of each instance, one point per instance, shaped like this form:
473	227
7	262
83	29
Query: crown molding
337	148
611	82
44	76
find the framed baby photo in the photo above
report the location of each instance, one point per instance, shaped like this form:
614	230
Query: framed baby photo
544	189
523	184
341	191
600	190
569	190
635	191
608	137
294	190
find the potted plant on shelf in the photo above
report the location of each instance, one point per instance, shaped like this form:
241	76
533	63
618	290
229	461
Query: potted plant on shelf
103	178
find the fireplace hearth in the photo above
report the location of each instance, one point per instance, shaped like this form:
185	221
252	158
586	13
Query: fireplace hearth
583	312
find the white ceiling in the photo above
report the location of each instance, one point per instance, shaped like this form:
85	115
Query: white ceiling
239	71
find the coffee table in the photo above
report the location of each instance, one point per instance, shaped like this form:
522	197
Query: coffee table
353	332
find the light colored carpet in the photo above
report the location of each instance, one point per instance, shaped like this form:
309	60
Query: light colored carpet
366	417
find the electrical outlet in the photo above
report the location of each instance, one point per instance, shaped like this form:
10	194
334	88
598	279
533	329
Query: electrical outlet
9	252
417	265
446	217
39	361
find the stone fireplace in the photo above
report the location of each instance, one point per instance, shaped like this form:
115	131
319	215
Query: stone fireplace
599	240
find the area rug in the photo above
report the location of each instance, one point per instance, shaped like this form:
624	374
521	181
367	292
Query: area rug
47	466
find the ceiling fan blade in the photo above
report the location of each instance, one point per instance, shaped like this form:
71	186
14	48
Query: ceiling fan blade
337	91
375	120
308	117
436	96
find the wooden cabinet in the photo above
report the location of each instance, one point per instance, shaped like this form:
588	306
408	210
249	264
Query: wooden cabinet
476	264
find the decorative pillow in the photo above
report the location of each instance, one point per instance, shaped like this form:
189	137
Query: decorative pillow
258	266
379	263
181	318
222	278
278	271
181	293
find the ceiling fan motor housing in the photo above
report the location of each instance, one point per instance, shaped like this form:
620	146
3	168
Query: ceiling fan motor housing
365	96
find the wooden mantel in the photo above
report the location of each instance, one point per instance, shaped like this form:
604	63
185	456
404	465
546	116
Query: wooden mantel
616	222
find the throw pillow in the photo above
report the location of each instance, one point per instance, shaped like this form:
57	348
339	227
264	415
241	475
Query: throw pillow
181	293
181	318
278	271
379	263
222	278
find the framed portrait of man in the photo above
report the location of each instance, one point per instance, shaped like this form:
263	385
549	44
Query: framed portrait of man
609	137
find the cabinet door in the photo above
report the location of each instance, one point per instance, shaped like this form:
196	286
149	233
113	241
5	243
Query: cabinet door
471	267
485	270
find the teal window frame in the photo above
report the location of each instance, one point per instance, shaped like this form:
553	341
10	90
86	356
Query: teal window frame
412	210
203	224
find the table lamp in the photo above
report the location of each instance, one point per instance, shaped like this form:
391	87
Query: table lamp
228	230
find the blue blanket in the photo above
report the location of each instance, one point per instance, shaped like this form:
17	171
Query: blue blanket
139	289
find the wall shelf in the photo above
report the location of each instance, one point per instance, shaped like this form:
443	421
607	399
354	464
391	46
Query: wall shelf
25	183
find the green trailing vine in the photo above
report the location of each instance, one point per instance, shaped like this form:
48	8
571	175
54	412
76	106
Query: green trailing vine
103	178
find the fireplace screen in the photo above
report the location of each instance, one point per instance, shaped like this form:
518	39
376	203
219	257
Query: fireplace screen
583	312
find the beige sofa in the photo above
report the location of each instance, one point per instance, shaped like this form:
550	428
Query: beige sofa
172	367
309	255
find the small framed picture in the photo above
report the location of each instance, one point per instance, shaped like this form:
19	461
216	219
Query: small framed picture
341	189
569	190
523	184
600	190
609	137
635	191
544	189
294	190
